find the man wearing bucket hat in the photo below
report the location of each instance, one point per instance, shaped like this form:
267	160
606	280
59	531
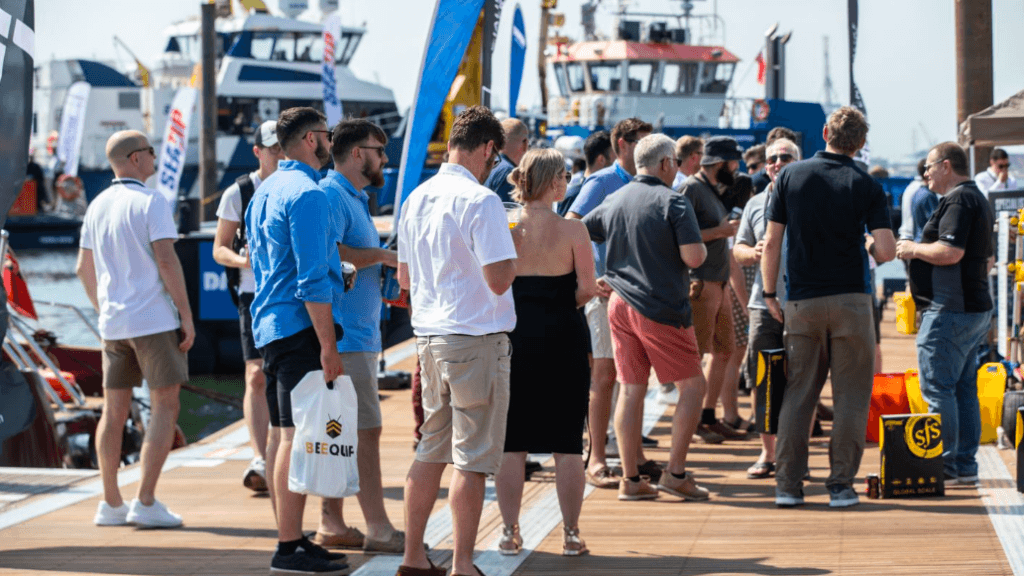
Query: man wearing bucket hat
712	306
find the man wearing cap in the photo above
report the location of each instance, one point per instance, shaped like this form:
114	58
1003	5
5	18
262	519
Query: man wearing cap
231	253
712	306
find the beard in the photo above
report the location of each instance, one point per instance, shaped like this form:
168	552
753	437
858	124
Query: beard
323	154
376	178
725	176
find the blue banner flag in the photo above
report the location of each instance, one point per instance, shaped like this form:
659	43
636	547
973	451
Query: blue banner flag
518	60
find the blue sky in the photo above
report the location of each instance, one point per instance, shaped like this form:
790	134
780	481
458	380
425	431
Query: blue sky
904	65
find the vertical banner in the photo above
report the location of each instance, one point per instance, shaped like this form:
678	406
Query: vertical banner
72	126
518	59
175	144
492	18
332	104
855	98
447	41
17	51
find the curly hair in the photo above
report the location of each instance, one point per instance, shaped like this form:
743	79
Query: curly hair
475	127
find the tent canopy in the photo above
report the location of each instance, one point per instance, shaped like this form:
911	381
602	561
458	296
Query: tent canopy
999	125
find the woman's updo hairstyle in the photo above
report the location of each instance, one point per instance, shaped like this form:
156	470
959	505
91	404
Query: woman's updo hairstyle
538	168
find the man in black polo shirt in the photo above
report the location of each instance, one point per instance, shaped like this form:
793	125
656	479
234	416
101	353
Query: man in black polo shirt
825	204
949	281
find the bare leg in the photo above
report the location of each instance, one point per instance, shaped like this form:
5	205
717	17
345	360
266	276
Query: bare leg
421	486
289	504
116	405
602	381
685	420
569	483
729	395
371	489
628	420
159	438
254	407
714	375
273	443
467	502
509	482
767	448
332	515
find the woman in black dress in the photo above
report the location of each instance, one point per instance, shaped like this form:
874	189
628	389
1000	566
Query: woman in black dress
550	378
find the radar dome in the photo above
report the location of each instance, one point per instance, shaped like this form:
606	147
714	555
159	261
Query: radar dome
292	8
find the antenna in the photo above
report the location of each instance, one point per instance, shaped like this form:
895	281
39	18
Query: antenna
829	95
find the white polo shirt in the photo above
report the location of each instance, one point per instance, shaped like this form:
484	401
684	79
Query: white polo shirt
987	182
450	227
119	227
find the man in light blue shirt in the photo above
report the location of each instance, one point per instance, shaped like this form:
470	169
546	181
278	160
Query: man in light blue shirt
359	159
596	188
296	310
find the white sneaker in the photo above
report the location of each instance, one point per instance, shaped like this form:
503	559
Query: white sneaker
155	516
107	515
255	475
668	395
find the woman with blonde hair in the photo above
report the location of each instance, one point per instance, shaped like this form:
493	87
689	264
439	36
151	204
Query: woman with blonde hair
550	380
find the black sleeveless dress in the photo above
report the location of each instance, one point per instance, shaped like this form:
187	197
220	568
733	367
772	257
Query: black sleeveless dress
550	380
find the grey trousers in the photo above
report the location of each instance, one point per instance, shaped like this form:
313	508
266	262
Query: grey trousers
830	333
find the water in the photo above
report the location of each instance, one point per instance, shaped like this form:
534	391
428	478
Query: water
50	275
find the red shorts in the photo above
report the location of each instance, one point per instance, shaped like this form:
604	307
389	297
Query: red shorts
642	343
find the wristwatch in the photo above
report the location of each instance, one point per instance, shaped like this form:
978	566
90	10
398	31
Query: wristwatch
767	294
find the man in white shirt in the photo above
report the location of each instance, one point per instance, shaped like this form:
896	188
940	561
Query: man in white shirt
457	259
997	177
230	216
133	278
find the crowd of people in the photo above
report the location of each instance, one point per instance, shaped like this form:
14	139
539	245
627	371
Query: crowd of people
540	334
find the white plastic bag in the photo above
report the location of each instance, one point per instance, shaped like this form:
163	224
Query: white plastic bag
323	459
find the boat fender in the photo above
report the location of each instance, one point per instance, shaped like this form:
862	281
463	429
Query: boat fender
760	110
69	187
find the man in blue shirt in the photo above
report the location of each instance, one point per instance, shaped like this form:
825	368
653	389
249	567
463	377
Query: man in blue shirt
595	189
296	310
598	155
358	150
517	140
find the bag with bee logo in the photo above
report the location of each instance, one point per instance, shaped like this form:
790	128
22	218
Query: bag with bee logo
323	459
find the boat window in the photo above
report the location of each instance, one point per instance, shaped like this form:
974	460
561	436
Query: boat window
263	45
284	48
574	74
309	48
129	100
679	78
606	77
560	80
715	77
640	76
347	47
670	78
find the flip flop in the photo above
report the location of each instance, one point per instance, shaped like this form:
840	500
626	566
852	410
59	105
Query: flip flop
761	470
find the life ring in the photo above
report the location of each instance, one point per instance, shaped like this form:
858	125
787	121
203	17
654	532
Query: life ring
69	187
760	110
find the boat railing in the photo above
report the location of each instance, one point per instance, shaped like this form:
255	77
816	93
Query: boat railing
78	311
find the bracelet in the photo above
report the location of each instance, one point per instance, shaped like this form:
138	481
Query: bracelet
767	294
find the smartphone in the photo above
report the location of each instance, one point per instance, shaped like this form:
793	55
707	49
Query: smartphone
736	213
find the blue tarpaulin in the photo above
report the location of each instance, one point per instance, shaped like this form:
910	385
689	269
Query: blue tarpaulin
450	31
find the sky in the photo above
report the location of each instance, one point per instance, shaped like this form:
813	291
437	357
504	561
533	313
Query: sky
904	67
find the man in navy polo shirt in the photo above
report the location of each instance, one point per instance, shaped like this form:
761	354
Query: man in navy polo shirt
824	205
358	150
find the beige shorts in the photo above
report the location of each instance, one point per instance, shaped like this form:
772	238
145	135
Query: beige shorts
155	357
362	368
465	400
600	333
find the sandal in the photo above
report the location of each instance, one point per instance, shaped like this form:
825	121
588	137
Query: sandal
572	544
761	470
511	542
603	478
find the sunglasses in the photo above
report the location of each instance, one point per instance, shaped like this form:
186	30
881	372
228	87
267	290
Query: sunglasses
379	149
931	165
1003	166
568	177
780	158
149	149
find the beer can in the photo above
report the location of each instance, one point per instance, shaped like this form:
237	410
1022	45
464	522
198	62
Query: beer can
874	486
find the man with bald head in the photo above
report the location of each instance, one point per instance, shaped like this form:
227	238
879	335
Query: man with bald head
132	275
517	140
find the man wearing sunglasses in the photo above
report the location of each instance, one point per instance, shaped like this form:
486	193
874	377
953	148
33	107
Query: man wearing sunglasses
517	141
997	177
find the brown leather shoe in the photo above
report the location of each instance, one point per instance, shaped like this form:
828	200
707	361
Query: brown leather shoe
479	571
351	539
432	571
728	432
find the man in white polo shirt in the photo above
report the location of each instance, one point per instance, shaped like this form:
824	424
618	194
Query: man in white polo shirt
133	278
457	259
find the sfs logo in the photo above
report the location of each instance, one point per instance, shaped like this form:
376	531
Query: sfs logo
923	435
333	427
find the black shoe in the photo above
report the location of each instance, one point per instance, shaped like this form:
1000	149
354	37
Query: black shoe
302	562
651	469
320	552
817	432
648	442
532	466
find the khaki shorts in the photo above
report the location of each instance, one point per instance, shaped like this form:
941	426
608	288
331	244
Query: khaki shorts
465	400
362	368
600	333
155	357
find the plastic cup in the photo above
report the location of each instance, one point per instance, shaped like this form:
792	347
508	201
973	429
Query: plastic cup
513	211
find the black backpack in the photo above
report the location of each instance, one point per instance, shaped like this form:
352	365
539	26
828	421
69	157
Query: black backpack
234	275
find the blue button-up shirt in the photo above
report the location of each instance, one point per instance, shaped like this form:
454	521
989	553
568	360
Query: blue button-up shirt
293	251
361	305
595	189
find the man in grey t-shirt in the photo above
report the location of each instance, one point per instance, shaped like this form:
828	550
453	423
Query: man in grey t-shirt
653	241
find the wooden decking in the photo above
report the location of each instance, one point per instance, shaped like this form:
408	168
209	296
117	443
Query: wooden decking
739	531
